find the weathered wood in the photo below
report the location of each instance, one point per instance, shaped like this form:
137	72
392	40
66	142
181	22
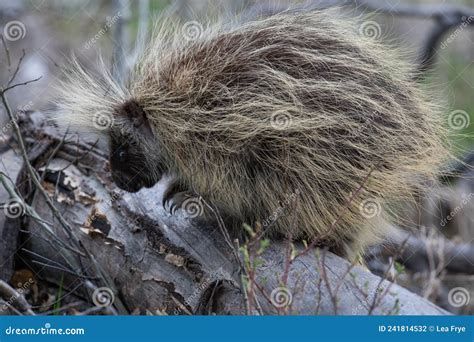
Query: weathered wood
10	163
173	264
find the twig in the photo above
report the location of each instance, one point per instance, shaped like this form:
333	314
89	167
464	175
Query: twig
63	269
92	310
4	90
11	307
222	227
109	308
241	279
263	292
43	257
235	252
7	53
34	177
33	214
13	297
82	155
62	308
51	156
377	299
65	295
17	68
324	277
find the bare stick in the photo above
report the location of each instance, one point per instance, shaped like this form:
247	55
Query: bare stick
16	299
7	53
34	177
32	213
4	90
377	299
12	78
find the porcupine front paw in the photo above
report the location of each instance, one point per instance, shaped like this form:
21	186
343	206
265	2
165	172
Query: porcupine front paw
176	198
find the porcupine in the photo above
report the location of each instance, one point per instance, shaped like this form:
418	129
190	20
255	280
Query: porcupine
296	122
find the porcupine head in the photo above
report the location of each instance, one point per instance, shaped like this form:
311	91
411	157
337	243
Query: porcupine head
297	122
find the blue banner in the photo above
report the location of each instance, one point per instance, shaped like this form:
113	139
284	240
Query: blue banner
230	329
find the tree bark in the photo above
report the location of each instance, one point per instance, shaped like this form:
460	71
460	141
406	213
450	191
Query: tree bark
173	264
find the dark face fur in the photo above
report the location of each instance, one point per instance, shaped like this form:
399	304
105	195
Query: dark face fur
131	169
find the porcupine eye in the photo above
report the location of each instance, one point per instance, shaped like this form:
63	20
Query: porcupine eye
122	156
129	166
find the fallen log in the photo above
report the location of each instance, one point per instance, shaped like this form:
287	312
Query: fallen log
135	257
10	163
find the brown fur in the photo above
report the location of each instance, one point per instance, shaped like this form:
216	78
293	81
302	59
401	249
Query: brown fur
277	121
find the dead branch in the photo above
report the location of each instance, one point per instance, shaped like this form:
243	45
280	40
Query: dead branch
163	263
13	298
416	256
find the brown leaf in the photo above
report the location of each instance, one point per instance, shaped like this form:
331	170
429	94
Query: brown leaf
174	259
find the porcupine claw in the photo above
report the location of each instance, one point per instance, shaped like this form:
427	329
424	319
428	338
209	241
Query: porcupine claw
172	189
176	200
174	197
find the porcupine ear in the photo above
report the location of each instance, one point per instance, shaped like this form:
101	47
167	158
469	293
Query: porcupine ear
132	112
